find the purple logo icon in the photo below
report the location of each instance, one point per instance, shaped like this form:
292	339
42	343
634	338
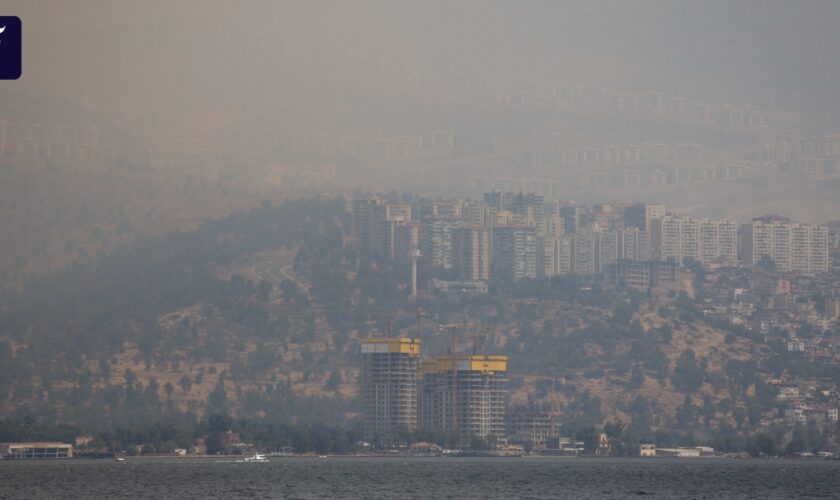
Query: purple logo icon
10	47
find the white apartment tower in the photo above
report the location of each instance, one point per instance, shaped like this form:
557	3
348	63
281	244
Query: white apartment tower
791	245
678	237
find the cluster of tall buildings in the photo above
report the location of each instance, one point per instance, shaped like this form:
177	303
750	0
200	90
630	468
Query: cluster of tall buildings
678	237
463	394
791	246
526	236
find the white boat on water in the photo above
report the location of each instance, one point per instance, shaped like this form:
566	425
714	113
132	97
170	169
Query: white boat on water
257	457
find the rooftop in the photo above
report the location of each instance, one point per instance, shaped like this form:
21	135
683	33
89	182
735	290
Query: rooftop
466	362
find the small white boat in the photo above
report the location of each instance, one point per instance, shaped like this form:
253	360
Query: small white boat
120	459
257	457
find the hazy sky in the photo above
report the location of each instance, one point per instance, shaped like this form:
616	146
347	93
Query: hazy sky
765	51
263	83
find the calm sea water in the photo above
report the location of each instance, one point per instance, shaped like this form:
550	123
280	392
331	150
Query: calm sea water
351	477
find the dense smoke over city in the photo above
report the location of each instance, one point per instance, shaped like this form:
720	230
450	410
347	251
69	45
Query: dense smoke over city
434	228
362	86
765	53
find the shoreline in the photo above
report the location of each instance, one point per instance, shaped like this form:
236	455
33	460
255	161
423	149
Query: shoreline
240	458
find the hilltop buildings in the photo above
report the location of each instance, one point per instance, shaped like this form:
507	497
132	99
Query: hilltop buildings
471	249
515	251
525	236
676	238
790	245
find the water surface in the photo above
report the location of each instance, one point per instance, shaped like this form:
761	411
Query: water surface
354	477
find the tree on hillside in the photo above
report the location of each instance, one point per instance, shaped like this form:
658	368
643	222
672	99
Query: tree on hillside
185	383
767	263
589	436
688	376
217	400
799	441
686	413
334	381
637	379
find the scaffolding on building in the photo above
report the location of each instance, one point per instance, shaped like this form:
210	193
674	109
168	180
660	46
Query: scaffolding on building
390	388
465	394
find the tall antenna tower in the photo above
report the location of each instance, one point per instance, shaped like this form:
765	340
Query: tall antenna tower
414	254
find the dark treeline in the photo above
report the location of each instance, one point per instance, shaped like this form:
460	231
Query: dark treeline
164	436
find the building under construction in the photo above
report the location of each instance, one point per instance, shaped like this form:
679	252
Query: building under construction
389	390
464	394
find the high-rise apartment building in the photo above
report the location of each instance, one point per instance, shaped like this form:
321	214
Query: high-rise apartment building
792	246
387	220
634	244
678	237
390	381
408	238
584	252
465	394
515	251
442	209
833	233
530	209
718	241
574	217
437	240
558	255
499	200
363	223
640	217
607	249
377	225
478	214
589	251
471	251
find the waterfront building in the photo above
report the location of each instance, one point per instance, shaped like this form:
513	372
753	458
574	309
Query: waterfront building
389	384
35	450
532	427
465	394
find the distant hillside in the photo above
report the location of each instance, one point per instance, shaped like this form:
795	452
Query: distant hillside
259	313
58	215
153	327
